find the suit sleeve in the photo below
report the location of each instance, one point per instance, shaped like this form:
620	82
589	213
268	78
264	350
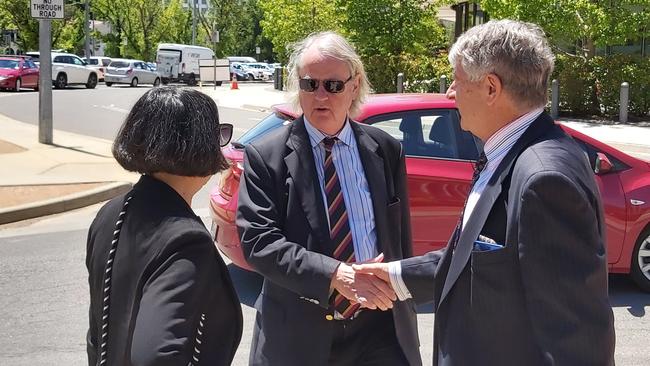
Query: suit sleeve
169	312
563	270
265	247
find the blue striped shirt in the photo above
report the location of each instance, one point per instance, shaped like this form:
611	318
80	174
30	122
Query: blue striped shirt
496	147
356	193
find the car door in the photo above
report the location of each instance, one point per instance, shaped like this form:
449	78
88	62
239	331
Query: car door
147	75
613	200
30	74
80	71
439	164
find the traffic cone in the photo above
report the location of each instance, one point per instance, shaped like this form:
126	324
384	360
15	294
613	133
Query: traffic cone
233	83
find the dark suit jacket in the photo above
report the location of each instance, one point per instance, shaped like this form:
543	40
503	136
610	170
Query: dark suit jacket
284	233
166	273
542	300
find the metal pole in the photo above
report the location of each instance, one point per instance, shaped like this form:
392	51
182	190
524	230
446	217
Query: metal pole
193	21
443	84
86	31
214	87
400	83
555	99
625	99
45	82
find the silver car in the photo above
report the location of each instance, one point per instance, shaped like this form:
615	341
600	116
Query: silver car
132	72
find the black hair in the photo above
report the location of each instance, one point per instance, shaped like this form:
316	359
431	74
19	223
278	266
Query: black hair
172	130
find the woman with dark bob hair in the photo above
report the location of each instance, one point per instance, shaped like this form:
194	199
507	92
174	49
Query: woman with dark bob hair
160	294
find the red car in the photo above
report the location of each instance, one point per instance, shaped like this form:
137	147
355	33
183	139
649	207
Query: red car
18	72
439	164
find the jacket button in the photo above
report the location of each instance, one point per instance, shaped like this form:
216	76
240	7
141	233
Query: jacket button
329	317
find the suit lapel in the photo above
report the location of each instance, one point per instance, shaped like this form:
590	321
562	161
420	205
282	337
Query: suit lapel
301	167
484	205
373	166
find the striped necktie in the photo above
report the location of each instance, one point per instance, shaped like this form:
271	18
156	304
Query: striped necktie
340	234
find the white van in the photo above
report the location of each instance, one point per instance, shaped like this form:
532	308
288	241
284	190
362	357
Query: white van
180	62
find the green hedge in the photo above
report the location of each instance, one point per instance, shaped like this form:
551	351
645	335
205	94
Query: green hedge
592	87
421	72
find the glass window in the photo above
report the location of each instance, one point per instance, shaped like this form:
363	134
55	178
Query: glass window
93	61
430	133
76	60
119	64
106	61
8	64
60	59
268	124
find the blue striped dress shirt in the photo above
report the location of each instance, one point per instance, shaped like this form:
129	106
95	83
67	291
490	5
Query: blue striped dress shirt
356	193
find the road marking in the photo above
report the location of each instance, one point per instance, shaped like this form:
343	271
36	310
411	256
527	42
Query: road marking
112	107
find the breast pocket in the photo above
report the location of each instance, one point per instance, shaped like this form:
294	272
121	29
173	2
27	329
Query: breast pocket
394	210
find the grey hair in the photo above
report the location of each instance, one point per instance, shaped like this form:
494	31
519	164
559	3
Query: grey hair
517	52
330	44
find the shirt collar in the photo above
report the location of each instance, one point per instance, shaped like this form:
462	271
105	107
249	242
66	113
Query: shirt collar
509	134
316	136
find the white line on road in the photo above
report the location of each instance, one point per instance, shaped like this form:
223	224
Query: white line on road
112	107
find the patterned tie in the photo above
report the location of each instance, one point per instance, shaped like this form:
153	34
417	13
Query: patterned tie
479	165
340	233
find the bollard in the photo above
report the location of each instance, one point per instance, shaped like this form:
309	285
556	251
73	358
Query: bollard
276	77
280	78
443	84
625	99
400	83
555	99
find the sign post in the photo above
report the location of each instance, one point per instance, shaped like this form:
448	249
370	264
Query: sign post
45	10
215	39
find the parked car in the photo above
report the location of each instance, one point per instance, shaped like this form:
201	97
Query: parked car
132	72
99	64
440	158
18	72
68	69
241	71
261	71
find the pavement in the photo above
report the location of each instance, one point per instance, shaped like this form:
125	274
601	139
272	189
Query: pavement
77	170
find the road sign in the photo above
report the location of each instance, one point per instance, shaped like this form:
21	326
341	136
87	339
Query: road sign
215	36
47	9
257	50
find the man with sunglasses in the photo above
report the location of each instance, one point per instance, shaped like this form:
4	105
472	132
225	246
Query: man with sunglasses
317	195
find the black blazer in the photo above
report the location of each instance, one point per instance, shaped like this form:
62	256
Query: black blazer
542	300
284	233
166	273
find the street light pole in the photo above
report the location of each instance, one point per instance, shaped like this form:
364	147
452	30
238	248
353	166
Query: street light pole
193	21
86	31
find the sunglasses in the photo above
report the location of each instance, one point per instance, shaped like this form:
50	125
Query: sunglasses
331	86
225	133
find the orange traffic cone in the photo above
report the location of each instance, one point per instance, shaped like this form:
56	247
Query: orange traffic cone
233	83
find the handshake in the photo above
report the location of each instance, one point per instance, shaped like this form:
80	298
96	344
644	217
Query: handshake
366	283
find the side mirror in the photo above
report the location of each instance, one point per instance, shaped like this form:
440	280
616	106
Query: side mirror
225	133
603	165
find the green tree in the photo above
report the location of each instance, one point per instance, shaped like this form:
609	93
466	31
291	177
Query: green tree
579	25
15	14
287	21
395	36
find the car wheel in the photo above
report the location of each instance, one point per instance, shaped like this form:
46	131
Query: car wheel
219	83
92	81
640	266
108	84
18	85
61	81
156	82
165	81
192	80
249	77
134	82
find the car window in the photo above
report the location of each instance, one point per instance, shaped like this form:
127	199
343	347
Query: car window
266	125
119	64
31	64
8	64
591	154
429	133
76	60
93	61
106	61
60	59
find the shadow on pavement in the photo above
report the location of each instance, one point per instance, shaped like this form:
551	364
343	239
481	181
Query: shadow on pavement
624	293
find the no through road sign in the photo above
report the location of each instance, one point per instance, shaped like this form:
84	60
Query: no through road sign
47	9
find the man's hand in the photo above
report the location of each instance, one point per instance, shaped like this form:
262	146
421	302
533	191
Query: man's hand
376	269
365	289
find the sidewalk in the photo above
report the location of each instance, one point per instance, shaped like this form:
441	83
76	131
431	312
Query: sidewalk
38	179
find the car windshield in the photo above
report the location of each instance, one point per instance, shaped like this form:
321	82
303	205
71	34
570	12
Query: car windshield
118	64
9	64
268	124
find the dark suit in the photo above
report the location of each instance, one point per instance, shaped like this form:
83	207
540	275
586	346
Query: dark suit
166	273
284	233
542	300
